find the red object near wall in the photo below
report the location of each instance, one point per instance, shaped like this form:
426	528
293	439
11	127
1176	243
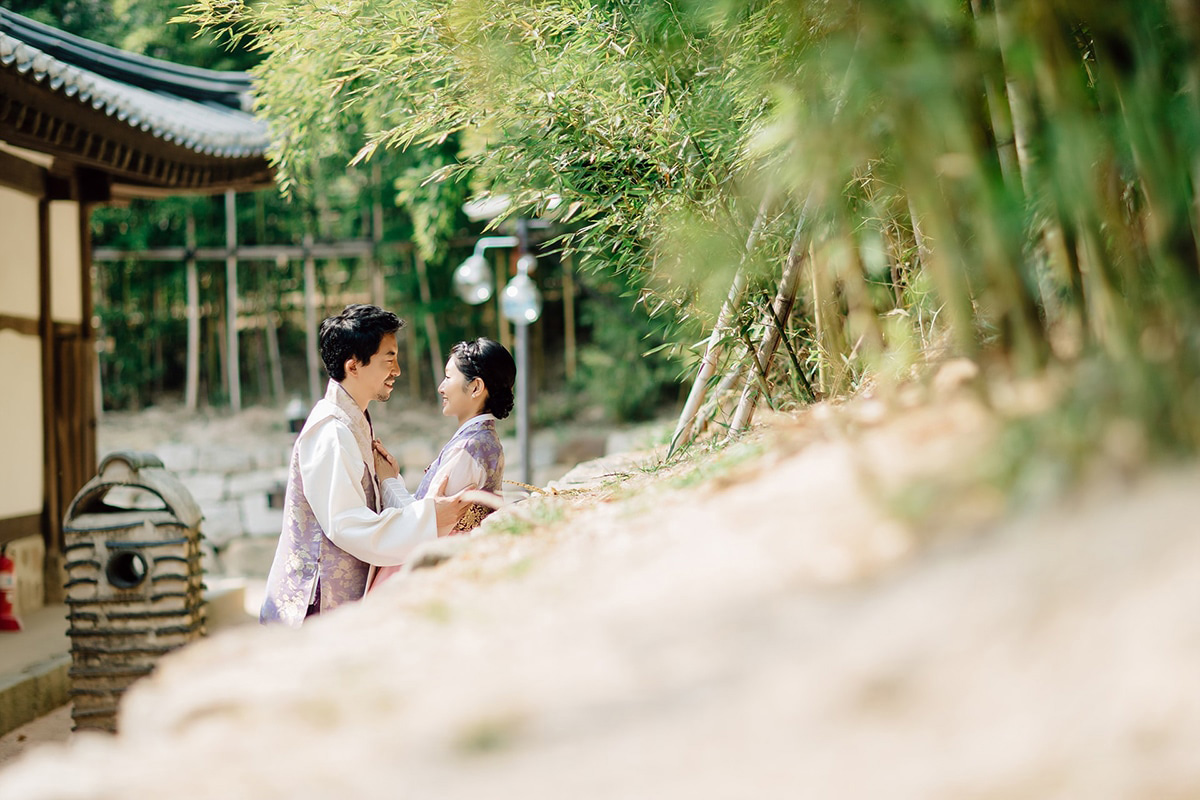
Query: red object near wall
8	591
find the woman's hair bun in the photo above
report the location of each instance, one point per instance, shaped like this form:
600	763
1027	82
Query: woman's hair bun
489	361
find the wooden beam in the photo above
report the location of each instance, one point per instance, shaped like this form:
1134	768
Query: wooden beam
24	176
345	248
23	325
19	527
92	186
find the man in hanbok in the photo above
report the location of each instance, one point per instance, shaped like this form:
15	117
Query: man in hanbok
339	521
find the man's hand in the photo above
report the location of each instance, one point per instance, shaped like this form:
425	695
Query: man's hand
449	509
385	463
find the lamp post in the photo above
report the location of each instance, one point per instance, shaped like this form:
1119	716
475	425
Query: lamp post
473	278
521	304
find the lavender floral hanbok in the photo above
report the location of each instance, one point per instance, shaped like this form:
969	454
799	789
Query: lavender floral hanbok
477	440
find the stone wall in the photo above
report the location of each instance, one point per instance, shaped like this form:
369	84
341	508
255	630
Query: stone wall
236	467
28	554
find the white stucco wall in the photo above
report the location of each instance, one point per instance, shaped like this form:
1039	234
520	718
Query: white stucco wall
66	296
21	432
19	254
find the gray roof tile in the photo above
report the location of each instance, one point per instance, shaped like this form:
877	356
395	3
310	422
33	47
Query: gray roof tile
203	126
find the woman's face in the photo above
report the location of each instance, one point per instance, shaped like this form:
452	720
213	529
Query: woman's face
461	398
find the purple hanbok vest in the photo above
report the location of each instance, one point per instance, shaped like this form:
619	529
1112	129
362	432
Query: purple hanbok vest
310	573
480	441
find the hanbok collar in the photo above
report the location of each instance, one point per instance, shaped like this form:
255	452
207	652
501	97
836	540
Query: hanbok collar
475	420
359	420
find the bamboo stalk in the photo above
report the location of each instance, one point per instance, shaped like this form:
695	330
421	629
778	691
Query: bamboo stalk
712	407
708	363
785	298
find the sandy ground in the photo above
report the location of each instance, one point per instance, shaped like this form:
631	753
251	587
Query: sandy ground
780	619
54	727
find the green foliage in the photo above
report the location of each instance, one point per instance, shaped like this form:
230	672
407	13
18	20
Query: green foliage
433	203
616	371
1016	182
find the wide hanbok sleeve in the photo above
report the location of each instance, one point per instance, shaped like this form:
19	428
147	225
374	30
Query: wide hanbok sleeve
463	471
331	468
396	494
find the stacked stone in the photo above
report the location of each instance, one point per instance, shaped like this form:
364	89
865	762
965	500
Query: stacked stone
134	584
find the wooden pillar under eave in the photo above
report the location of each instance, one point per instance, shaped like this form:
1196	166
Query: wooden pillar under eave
88	449
191	384
231	300
51	517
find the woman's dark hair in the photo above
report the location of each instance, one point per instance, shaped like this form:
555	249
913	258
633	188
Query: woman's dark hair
488	360
356	332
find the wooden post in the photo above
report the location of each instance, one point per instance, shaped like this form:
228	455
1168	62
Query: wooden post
271	316
192	381
505	327
310	320
52	503
413	351
568	288
374	264
90	361
231	301
431	332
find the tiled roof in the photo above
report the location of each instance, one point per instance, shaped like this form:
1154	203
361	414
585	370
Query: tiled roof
193	108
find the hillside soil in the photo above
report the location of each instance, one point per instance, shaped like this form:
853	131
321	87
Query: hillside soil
840	605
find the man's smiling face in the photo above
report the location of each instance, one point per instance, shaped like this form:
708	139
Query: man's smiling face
378	376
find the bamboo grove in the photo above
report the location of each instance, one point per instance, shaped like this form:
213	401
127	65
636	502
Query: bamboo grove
819	193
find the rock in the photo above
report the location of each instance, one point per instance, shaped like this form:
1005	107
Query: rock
222	522
205	487
210	561
27	554
177	456
581	447
249	556
224	460
255	482
258	518
954	375
266	458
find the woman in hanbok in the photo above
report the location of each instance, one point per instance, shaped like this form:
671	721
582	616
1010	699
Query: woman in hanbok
477	390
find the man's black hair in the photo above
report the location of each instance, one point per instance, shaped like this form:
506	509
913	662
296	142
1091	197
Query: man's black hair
354	333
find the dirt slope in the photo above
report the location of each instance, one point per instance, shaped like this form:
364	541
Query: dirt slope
766	623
